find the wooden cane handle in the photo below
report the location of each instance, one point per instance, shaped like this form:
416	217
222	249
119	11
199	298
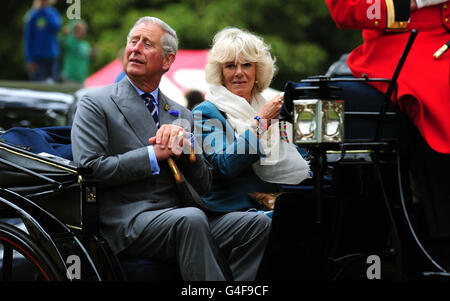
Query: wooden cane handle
174	167
192	157
175	170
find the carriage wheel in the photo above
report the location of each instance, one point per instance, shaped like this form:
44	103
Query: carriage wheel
23	259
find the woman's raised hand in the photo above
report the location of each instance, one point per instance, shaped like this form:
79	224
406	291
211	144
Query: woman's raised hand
271	109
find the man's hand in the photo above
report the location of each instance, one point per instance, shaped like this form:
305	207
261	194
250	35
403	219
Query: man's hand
167	135
165	153
169	141
413	5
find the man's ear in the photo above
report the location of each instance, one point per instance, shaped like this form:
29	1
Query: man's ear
168	60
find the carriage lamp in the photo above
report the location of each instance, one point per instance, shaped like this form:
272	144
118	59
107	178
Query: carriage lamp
318	121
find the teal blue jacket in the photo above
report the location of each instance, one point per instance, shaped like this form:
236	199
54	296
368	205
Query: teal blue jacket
231	157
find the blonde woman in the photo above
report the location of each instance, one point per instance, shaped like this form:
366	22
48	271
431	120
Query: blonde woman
239	129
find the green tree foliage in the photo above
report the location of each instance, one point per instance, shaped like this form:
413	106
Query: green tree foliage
303	37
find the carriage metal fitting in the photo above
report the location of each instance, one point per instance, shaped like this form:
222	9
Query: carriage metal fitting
91	194
90	191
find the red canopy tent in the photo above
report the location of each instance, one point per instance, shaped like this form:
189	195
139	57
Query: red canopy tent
186	73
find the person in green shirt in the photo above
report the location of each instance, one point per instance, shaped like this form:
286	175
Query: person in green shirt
77	52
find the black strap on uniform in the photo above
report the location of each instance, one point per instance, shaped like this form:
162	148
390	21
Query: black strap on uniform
402	10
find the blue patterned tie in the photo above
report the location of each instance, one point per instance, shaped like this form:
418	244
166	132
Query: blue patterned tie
149	101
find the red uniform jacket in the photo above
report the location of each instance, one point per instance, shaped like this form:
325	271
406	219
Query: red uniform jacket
424	82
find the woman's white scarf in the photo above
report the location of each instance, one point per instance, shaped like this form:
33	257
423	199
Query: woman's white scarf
282	163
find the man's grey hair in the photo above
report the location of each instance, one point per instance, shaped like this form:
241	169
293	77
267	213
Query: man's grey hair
169	40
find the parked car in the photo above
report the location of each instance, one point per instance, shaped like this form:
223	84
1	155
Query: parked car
33	105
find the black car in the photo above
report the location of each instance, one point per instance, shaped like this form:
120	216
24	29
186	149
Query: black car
33	106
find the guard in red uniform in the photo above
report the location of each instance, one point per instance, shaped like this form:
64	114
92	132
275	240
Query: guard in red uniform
423	85
424	89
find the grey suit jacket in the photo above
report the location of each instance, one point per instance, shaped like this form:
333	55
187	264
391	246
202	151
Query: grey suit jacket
110	136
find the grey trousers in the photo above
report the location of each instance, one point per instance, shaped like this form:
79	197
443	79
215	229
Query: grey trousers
206	247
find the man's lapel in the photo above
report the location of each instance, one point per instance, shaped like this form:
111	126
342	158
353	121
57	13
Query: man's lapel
164	107
136	113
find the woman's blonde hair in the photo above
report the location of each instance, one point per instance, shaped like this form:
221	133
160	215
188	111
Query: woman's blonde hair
236	45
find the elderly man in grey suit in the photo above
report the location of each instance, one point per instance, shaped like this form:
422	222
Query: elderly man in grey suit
125	134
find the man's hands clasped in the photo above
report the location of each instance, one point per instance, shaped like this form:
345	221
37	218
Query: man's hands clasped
170	141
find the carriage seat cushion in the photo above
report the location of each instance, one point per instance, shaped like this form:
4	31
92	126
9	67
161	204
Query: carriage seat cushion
51	140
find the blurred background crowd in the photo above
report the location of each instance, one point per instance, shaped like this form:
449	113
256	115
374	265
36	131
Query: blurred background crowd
298	31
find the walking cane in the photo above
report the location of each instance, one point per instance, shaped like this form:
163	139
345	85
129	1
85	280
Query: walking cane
174	167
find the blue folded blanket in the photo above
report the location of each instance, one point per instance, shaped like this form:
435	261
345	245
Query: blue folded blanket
51	140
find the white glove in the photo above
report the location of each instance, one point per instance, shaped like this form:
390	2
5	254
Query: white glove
423	3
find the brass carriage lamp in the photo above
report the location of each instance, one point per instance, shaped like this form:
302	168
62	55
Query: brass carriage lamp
318	117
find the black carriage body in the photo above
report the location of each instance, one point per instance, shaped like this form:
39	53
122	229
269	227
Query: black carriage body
53	184
59	210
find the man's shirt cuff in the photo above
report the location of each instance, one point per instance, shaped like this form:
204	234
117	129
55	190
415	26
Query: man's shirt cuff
153	161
